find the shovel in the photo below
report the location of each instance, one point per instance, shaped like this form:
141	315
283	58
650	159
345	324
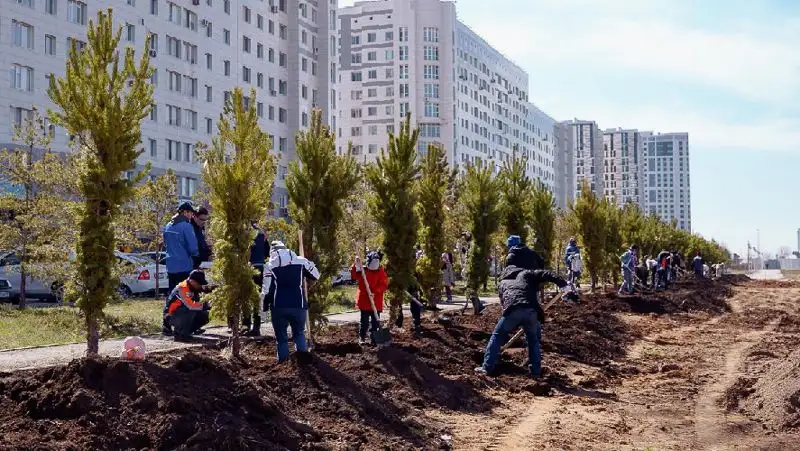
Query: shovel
305	292
520	332
382	336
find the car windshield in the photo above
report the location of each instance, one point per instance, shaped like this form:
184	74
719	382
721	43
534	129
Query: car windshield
136	259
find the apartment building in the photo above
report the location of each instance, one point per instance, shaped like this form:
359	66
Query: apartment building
564	164
201	49
623	166
667	191
587	150
414	56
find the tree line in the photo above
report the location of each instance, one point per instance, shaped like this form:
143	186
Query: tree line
83	204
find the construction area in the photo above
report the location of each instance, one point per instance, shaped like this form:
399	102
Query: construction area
709	364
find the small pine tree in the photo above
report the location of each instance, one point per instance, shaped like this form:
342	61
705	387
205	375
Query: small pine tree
515	197
319	182
544	222
588	220
238	170
151	209
393	180
433	185
613	241
34	199
481	198
360	228
102	103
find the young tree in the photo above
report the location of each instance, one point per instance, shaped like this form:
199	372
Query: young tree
102	103
588	219
393	180
515	197
544	222
238	170
34	197
433	184
153	205
613	241
360	226
319	182
481	198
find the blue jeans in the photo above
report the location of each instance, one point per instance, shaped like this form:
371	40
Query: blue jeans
524	317
282	319
627	280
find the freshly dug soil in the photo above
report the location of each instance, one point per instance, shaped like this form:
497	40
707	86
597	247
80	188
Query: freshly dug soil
344	397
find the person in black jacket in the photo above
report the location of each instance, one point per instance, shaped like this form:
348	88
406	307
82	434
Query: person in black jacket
259	251
199	225
519	289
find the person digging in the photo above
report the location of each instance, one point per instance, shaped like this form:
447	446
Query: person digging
186	313
378	282
519	288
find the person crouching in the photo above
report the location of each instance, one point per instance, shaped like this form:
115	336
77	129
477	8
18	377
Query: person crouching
377	282
186	313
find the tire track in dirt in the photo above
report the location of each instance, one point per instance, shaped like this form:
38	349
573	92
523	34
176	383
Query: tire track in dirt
711	431
522	434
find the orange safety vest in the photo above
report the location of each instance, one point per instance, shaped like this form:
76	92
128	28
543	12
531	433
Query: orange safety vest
186	297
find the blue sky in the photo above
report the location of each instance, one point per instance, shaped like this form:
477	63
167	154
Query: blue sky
727	72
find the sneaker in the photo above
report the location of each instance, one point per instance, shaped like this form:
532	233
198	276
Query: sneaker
417	331
252	333
481	371
166	331
199	332
362	341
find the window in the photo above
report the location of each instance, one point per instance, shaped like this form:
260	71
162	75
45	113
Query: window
226	36
355	76
282	32
372	111
271	27
404	109
355	113
355	95
260	51
175	14
389	35
209	29
189	121
271	56
432	90
50	7
404	91
355	131
372	92
227	68
431	109
304	92
355	58
209	64
154	7
154	113
304	119
209	93
303	64
190	86
431	53
403	53
246	14
430	34
281	59
226	6
22	77
28	3
281	115
260	21
245	74
174	81
153	42
76	12
389	110
271	113
260	80
190	53
355	40
130	32
19	114
304	37
404	71
403	34
373	74
22	35
260	109
153	148
173	115
132	3
49	45
174	46
209	125
389	55
430	72
79	45
282	87
371	37
390	91
246	44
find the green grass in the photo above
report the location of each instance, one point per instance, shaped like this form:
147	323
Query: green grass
60	325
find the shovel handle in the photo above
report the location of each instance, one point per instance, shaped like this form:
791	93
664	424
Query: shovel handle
520	332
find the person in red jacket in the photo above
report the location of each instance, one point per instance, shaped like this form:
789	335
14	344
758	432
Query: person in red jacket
378	282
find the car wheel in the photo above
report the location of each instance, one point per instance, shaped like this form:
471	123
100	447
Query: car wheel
124	291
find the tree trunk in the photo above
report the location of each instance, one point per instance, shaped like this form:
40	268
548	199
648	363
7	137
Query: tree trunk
235	344
92	336
23	285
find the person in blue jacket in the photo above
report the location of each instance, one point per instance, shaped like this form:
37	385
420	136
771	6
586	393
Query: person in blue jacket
181	245
283	292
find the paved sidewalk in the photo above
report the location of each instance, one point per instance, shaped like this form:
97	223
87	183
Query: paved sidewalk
41	357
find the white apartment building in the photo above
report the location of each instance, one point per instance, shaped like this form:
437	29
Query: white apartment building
667	192
564	164
623	166
202	49
587	151
414	56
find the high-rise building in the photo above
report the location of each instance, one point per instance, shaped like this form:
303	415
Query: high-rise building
564	164
201	49
667	191
414	56
587	150
623	166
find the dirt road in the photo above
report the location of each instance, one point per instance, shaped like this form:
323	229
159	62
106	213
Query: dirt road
691	381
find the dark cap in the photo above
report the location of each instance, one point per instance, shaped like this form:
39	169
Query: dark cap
186	206
198	276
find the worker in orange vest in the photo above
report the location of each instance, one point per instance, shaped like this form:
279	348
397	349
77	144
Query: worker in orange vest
186	313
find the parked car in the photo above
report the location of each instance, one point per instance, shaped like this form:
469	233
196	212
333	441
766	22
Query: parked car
138	277
7	292
343	278
160	257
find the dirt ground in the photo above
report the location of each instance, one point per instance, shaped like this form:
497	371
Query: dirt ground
707	365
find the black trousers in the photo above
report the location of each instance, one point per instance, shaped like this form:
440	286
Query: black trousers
368	321
187	321
174	278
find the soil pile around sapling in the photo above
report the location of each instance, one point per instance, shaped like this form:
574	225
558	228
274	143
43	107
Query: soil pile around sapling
193	402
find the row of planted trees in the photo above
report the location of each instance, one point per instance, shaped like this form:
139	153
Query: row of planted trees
402	201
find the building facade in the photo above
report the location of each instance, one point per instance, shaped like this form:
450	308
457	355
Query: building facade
564	164
201	50
588	156
667	191
415	57
623	166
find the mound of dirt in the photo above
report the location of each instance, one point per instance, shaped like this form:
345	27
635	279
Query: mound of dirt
194	401
773	398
